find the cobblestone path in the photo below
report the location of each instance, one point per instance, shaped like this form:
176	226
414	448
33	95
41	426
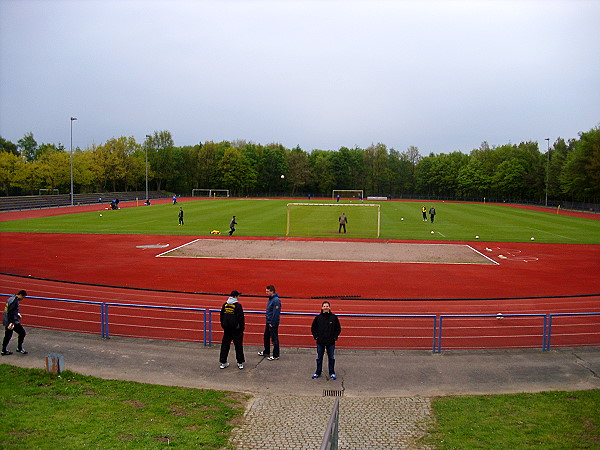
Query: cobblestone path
288	422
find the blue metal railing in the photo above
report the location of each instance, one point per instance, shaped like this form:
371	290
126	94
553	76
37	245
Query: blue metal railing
437	330
495	316
551	316
393	316
172	308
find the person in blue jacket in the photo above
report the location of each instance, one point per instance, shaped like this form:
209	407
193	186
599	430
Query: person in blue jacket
12	323
272	326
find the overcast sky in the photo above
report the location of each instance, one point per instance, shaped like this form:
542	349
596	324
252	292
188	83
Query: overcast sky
439	75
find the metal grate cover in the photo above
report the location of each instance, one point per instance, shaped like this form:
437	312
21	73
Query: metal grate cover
332	393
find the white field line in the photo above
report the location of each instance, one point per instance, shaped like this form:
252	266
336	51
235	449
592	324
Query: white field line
176	248
485	256
554	234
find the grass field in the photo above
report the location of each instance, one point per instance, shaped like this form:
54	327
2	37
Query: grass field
256	217
41	410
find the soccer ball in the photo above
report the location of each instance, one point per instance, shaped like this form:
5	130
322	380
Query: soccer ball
402	218
432	232
100	215
532	238
282	176
477	237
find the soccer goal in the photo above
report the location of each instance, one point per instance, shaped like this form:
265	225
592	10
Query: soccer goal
357	194
322	219
48	192
211	193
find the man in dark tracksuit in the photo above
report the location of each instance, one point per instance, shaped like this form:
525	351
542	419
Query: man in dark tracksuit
232	322
12	323
271	334
326	329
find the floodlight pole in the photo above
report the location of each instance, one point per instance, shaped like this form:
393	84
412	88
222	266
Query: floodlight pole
147	137
547	169
71	162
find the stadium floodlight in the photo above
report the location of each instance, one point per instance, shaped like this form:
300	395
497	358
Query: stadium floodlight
147	137
314	219
547	170
71	160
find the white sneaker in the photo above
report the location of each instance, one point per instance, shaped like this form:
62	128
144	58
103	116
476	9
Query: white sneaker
240	366
272	358
224	365
261	353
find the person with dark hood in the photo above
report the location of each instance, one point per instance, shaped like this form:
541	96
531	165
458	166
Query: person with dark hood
12	323
232	322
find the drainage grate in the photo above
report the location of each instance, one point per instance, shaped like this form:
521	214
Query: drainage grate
332	393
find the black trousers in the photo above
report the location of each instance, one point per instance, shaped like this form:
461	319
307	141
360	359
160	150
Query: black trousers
237	336
271	334
18	328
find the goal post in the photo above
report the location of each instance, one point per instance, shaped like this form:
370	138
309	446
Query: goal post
322	219
348	193
211	193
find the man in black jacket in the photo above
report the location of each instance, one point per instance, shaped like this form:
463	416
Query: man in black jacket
12	323
326	329
232	322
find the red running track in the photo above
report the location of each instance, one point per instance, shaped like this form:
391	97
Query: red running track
524	270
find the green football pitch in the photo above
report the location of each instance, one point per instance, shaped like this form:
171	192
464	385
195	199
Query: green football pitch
261	217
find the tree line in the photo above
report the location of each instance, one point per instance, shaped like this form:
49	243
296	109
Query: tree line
569	170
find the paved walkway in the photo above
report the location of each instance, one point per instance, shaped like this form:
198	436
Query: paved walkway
385	400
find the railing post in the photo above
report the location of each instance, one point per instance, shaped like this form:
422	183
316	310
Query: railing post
106	321
549	333
439	349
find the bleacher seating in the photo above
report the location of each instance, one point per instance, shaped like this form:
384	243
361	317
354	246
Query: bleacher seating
26	202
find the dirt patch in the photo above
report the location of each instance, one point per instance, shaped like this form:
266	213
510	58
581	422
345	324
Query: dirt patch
330	251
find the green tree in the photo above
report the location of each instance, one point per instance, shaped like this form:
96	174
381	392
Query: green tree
581	176
9	147
508	179
160	156
472	179
28	147
10	166
298	174
53	168
234	171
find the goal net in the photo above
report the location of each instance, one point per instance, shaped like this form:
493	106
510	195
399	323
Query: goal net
213	193
356	194
322	219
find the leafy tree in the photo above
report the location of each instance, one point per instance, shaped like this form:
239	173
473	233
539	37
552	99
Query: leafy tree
28	146
271	165
54	168
10	166
581	176
234	171
321	166
298	174
472	179
9	147
160	156
508	178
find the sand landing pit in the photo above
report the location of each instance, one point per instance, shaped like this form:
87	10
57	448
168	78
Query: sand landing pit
302	250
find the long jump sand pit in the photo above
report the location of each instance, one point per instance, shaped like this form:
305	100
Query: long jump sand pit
302	250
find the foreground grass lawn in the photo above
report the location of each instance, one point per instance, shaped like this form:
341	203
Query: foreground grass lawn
40	410
549	420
